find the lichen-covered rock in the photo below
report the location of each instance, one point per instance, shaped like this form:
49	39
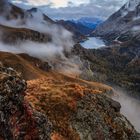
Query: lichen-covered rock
18	120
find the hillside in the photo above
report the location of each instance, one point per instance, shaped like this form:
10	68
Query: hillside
116	64
14	35
60	109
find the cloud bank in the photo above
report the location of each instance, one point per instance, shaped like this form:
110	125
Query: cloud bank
130	107
53	52
80	8
95	8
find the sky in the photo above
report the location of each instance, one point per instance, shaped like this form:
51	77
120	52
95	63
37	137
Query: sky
75	9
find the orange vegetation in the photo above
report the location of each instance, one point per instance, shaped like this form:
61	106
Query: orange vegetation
56	95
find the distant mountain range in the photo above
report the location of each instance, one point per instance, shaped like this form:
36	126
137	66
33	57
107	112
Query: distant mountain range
89	22
82	27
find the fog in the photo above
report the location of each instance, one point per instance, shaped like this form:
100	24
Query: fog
130	107
47	52
54	51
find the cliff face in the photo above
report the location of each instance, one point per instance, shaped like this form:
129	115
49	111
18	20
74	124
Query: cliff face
71	111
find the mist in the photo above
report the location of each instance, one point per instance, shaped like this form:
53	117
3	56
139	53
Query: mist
53	52
130	107
49	52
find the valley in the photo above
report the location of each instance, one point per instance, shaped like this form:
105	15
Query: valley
69	80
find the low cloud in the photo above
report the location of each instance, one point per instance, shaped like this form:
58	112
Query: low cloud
95	8
76	9
130	107
47	52
53	52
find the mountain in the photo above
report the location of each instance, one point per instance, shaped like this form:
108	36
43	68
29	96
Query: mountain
14	13
89	22
81	27
18	23
122	25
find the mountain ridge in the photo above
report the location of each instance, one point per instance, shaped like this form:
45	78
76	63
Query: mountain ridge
126	21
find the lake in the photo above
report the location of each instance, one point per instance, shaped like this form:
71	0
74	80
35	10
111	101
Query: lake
93	43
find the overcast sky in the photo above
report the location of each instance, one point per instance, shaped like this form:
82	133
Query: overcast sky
72	9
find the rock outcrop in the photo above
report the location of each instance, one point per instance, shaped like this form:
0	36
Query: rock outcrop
18	120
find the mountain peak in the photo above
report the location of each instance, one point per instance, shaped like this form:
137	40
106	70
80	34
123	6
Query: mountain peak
131	5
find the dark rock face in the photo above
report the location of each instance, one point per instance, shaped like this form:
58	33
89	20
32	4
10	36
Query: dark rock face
17	118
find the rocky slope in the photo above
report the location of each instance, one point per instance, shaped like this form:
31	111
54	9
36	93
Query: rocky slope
122	25
18	120
59	110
